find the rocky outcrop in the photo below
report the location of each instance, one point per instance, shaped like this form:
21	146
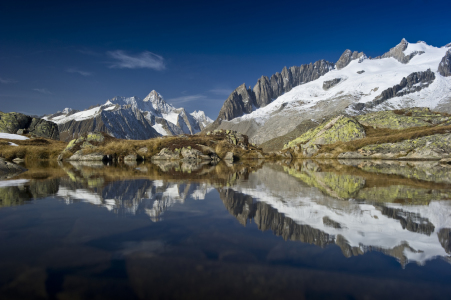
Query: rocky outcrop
16	122
397	53
402	119
444	68
331	83
413	83
9	169
339	129
433	147
347	57
244	100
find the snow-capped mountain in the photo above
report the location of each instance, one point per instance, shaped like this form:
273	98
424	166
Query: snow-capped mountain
409	75
130	118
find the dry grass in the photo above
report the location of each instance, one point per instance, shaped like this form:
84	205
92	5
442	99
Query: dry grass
382	136
32	149
121	148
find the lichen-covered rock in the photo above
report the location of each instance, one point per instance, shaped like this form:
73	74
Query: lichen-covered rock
167	154
44	128
415	117
339	129
95	137
13	122
80	156
193	154
434	147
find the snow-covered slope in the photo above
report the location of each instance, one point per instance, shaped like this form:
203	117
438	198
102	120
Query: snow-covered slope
130	118
355	88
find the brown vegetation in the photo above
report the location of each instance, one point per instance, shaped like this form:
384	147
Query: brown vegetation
32	149
382	136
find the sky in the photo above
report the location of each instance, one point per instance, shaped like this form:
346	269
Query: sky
57	54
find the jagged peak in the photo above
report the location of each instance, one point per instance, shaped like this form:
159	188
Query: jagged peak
154	96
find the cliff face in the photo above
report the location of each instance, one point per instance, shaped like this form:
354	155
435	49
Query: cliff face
245	100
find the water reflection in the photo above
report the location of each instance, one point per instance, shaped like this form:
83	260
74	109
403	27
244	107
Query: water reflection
401	209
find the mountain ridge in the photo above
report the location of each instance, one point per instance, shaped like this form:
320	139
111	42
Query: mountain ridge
130	118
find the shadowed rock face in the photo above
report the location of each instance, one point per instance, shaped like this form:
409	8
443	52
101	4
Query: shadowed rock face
410	84
243	101
347	57
444	68
12	122
331	83
397	53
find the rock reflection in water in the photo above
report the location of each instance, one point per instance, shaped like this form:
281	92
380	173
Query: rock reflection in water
359	206
323	203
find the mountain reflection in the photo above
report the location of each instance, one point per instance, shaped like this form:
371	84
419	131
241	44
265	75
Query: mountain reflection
397	208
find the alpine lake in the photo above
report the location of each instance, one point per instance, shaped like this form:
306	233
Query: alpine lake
324	229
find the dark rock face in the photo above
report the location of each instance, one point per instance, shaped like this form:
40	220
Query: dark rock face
444	68
244	100
410	84
397	53
330	83
239	103
14	122
347	57
361	72
123	123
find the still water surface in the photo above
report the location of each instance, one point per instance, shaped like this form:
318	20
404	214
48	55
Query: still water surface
302	230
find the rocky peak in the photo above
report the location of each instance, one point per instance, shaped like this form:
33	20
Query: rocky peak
244	100
158	102
347	57
397	53
444	67
153	96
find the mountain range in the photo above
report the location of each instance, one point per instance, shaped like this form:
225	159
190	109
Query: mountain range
130	118
280	108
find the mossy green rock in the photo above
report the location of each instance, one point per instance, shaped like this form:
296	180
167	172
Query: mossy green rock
434	147
339	129
391	120
95	137
12	122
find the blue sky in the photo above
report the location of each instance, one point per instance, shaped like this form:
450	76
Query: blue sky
57	54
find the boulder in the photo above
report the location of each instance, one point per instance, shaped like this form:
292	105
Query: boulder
167	154
133	157
229	157
193	154
79	156
142	150
13	122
